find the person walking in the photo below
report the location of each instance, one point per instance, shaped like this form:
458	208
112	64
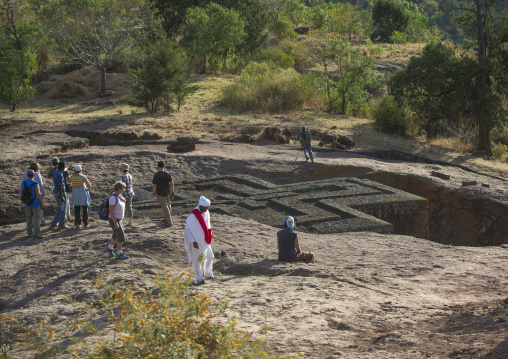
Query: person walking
33	211
197	239
60	197
128	193
289	245
54	167
68	191
305	141
116	215
80	196
162	187
34	166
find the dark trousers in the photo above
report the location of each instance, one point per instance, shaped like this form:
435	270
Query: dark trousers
77	215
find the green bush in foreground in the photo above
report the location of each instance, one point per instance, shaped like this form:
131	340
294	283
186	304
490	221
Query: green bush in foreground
164	322
389	117
263	87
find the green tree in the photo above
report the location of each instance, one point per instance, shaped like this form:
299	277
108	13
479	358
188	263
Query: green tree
18	44
387	17
163	77
95	32
212	34
173	13
349	75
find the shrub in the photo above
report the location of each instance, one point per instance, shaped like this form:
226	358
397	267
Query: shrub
389	117
164	322
5	352
283	29
278	57
398	37
499	152
263	87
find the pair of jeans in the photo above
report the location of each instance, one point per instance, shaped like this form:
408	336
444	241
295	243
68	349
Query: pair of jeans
77	215
308	148
60	212
33	221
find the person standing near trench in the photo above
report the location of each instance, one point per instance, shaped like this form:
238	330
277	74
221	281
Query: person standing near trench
163	187
305	141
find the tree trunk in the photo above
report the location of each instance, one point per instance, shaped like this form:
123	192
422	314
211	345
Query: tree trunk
103	80
484	139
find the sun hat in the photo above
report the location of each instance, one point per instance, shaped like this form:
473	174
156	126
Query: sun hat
290	221
77	168
124	166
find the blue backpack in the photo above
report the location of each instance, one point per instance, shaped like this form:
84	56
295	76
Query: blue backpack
104	208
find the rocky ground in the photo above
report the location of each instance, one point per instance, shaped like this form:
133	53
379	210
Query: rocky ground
367	295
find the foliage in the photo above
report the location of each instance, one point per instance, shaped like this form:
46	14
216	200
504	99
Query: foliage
388	16
162	78
5	352
390	117
212	33
18	47
283	29
398	38
499	152
163	322
96	33
349	76
173	13
277	57
266	88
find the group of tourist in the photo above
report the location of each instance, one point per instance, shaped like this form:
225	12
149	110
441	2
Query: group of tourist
197	232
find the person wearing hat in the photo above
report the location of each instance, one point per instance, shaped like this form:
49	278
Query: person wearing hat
80	196
163	187
197	237
33	211
289	245
305	141
128	193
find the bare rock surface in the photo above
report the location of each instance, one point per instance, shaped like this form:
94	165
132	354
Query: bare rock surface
368	295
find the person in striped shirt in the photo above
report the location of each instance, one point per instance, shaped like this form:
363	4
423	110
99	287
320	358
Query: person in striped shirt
128	193
80	196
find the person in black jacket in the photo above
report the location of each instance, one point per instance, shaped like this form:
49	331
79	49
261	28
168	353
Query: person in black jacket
163	187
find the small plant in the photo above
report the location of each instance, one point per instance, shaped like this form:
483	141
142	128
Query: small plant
163	322
499	152
389	117
5	352
398	37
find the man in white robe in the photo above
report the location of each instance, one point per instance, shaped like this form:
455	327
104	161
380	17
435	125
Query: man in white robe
197	232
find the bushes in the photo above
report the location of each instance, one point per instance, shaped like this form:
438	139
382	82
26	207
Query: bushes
263	87
389	117
164	322
499	152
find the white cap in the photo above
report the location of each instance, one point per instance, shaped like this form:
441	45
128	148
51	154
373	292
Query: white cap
290	221
77	168
203	201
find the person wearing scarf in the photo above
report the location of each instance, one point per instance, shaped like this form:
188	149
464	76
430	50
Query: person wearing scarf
197	237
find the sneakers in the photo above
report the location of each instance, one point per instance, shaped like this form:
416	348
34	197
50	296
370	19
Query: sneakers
200	282
212	278
111	251
122	256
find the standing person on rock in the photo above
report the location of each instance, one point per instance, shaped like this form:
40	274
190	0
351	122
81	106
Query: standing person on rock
289	245
163	187
33	211
197	237
116	214
60	197
54	167
68	191
305	141
128	193
80	196
34	166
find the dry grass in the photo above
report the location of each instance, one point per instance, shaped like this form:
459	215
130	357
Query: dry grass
454	143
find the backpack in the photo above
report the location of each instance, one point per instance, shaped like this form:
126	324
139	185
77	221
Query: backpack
26	194
104	208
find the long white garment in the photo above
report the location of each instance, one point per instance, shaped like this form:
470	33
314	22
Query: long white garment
194	233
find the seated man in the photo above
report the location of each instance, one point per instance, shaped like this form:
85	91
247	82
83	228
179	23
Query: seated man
288	245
